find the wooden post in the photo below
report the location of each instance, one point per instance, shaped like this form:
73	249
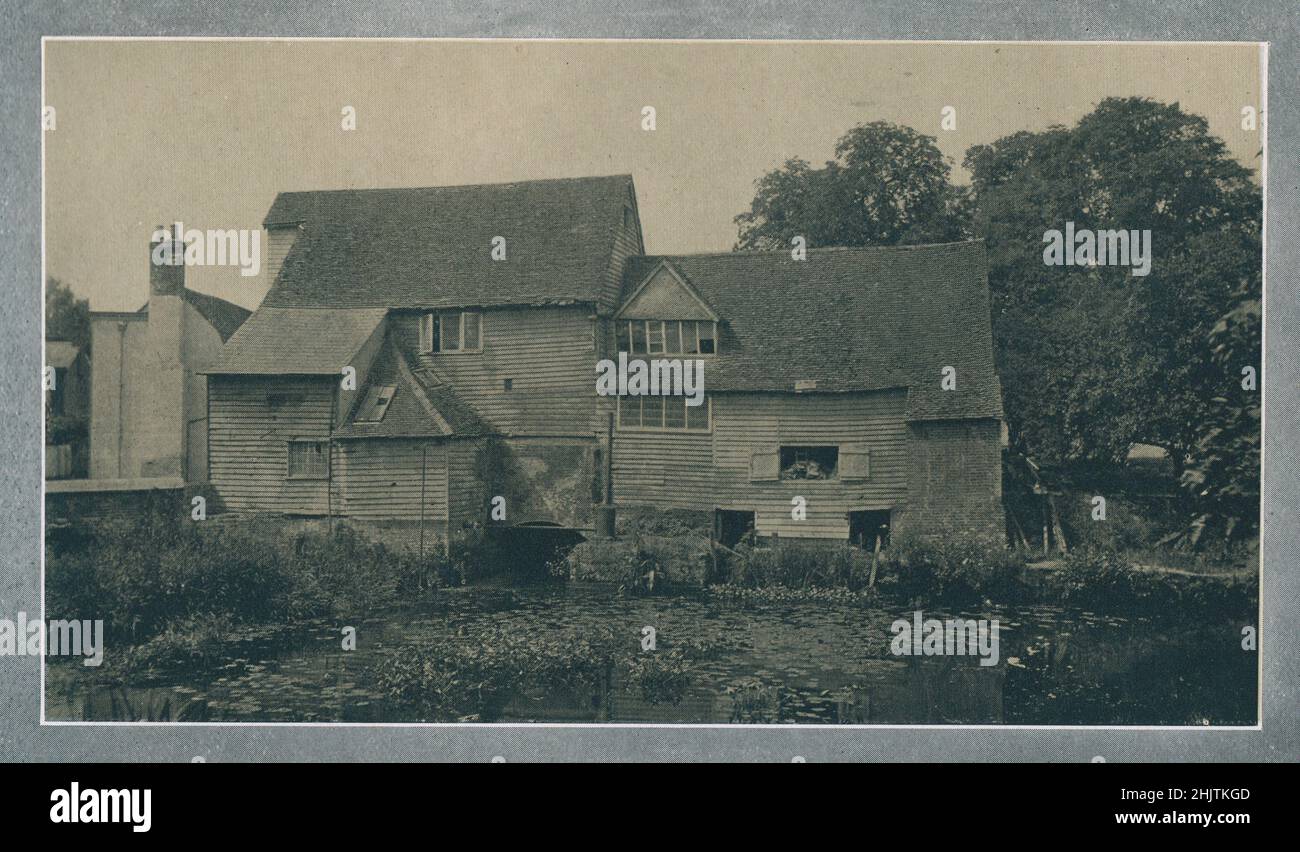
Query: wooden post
1046	551
714	534
1057	529
424	467
875	558
609	461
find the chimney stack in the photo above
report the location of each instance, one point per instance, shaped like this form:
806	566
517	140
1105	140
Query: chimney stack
166	278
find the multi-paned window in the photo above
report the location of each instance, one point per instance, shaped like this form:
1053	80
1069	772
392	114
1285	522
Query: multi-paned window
451	331
308	459
663	414
667	337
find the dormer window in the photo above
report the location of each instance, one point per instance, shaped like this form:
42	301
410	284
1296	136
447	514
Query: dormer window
375	405
451	332
668	337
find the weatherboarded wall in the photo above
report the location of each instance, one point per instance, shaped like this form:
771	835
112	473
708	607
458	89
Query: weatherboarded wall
704	471
548	356
252	420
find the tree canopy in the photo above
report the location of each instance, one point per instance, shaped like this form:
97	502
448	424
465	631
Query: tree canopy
1092	359
887	185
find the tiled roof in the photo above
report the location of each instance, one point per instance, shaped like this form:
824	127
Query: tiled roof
297	341
421	407
425	248
225	317
60	353
850	319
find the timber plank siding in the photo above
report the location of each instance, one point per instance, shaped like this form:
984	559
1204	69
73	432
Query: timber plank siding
383	479
252	420
548	355
707	471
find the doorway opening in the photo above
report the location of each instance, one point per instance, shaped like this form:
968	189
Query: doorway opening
865	527
731	527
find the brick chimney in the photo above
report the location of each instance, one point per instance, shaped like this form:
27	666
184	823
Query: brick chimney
162	435
166	278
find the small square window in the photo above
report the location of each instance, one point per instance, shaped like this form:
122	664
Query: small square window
508	384
308	459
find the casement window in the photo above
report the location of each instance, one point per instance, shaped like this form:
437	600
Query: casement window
667	337
451	331
375	405
308	459
810	462
663	414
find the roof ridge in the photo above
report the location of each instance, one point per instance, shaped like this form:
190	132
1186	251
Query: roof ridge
810	250
490	184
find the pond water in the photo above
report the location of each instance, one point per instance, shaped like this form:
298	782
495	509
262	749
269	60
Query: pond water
801	662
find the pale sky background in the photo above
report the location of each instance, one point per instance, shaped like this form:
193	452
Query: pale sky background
209	132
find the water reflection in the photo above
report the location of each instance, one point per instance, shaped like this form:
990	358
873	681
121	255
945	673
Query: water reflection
792	663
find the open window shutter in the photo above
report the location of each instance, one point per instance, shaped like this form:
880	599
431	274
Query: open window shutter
765	464
855	461
426	333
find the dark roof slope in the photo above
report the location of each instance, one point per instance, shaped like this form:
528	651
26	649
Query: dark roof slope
297	341
851	319
225	317
422	406
425	248
60	353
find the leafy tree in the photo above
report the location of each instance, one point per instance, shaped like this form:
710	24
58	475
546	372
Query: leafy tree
1224	475
1093	359
66	316
887	185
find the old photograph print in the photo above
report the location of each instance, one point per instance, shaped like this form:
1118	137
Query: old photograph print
730	383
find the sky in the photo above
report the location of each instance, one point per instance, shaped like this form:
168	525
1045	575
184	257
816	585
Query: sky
208	132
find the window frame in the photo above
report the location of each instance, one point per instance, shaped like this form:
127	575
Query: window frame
796	450
660	333
306	477
432	321
676	430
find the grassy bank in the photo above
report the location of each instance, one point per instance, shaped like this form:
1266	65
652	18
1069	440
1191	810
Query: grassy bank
177	595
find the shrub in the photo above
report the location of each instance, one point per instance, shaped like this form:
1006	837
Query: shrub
952	568
1104	580
799	565
183	645
156	573
660	677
